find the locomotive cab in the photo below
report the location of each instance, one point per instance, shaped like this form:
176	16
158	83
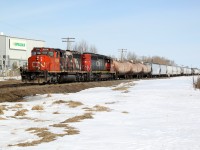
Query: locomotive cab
44	59
43	65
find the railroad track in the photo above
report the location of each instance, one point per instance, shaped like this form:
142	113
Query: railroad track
15	85
17	91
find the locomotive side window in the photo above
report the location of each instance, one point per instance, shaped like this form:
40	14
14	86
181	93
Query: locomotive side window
33	53
44	53
36	53
51	54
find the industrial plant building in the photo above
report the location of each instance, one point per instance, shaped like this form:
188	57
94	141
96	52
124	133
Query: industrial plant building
14	51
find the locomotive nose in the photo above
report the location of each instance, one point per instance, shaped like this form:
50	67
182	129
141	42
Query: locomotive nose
39	63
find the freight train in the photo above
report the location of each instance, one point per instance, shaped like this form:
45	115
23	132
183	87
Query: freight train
50	65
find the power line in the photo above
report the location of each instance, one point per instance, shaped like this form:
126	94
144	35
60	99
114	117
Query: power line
68	41
122	51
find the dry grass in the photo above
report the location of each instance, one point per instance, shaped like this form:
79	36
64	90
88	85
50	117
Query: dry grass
21	112
125	112
71	104
1	118
97	108
16	106
110	102
68	129
56	112
87	109
3	107
49	95
38	107
197	83
43	133
101	108
46	136
123	88
1	111
74	104
59	102
79	118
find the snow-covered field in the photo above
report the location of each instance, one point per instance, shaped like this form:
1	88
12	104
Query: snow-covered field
162	114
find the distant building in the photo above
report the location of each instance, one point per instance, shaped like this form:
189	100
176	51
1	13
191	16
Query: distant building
14	51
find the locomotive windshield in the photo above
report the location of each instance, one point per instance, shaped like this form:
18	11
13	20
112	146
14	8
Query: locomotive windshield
49	53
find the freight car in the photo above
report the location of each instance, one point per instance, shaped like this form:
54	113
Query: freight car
49	65
130	70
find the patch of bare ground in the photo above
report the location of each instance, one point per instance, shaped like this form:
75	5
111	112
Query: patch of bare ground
110	103
197	83
125	112
16	93
87	108
120	88
49	95
59	102
97	108
3	107
101	108
1	118
29	118
124	87
56	112
21	112
79	118
46	136
74	104
37	107
69	130
1	111
16	106
71	104
43	133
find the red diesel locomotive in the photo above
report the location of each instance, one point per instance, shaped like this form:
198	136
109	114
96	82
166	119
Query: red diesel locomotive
49	65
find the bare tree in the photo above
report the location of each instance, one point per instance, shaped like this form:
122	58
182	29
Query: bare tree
158	60
131	56
93	49
84	47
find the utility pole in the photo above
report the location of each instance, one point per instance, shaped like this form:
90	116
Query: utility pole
68	40
122	51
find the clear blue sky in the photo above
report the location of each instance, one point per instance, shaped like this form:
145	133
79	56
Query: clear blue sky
168	28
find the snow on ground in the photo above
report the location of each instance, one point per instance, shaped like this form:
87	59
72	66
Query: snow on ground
10	78
159	114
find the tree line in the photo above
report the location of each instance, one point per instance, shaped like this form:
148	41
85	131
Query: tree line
83	46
